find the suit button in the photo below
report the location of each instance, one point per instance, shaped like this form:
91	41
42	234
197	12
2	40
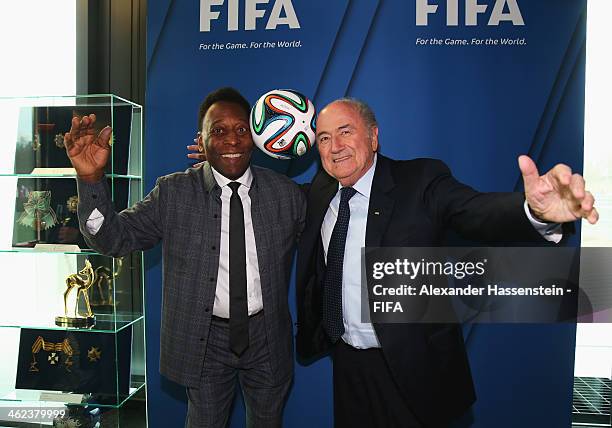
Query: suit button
207	310
215	216
212	279
213	248
94	196
201	339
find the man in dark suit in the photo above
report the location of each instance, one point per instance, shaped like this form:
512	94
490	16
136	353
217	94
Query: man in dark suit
401	375
228	232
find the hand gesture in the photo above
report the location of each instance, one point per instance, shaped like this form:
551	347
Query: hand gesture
196	149
87	151
557	196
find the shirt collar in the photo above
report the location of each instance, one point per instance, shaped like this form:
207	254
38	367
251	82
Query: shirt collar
245	179
364	184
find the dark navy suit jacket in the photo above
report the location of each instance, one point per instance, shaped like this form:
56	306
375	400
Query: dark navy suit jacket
416	202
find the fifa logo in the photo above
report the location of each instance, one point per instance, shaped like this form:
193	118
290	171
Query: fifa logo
282	13
472	10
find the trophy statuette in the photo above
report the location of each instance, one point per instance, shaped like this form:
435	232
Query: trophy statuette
80	283
104	300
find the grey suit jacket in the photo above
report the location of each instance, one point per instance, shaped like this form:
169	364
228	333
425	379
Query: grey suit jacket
184	211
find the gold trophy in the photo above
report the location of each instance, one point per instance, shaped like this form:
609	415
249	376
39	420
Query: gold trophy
81	282
103	300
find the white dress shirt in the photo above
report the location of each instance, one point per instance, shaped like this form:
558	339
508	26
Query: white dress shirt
255	301
356	333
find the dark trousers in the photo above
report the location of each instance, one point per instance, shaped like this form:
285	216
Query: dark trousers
365	393
264	395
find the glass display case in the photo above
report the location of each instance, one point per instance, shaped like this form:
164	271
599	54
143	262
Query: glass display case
71	320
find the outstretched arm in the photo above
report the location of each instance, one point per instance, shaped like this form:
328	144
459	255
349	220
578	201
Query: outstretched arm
108	232
557	196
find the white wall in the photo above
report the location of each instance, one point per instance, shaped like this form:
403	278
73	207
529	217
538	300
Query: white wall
594	341
38	49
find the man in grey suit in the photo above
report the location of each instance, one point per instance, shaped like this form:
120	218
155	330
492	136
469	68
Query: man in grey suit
228	232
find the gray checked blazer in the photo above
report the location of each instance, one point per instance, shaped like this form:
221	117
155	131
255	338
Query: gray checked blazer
184	211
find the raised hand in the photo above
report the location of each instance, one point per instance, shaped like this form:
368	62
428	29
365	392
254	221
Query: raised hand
557	196
195	150
87	151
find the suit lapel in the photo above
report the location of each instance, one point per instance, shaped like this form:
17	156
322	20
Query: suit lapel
320	194
322	191
381	203
259	227
260	213
209	181
380	211
325	192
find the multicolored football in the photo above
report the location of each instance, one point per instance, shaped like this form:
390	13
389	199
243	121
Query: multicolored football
283	124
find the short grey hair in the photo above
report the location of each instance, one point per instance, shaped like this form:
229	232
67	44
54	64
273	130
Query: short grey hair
364	110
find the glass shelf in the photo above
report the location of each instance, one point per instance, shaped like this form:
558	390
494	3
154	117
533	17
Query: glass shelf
103	324
82	252
73	176
68	100
30	398
45	364
32	132
36	283
54	199
93	367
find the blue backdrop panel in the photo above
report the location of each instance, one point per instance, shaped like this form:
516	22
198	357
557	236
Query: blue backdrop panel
477	107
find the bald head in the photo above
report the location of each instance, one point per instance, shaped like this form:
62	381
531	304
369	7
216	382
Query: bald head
364	110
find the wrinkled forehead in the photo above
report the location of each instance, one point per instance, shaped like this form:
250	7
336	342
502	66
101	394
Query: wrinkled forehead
336	115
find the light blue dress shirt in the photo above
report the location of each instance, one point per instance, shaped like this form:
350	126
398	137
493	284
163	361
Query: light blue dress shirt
357	334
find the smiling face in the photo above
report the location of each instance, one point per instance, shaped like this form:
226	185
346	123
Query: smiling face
226	139
346	143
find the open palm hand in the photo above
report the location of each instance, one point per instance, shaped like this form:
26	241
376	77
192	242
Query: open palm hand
87	151
557	196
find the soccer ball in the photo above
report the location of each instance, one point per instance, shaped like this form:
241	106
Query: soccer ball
283	124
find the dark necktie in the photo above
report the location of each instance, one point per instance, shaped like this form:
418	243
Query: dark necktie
239	312
332	285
